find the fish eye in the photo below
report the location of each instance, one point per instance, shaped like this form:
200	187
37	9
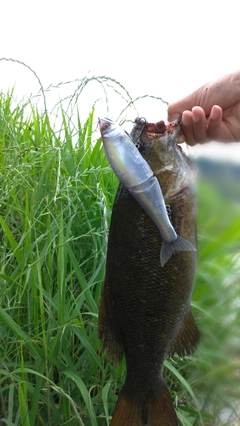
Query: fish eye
105	126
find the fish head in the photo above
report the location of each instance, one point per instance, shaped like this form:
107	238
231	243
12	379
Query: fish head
160	143
159	147
108	128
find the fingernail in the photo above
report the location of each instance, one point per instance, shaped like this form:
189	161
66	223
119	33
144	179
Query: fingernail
215	112
185	118
195	115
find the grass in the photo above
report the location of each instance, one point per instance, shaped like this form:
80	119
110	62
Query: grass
56	194
55	206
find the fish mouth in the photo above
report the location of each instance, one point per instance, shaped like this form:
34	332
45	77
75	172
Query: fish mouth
172	128
174	125
159	128
105	120
100	123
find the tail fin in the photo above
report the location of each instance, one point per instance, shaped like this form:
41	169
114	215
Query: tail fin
157	410
128	412
178	244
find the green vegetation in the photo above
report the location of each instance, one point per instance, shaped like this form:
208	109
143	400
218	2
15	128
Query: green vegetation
224	175
56	193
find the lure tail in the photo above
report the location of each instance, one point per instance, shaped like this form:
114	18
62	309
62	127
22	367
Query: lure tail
157	410
178	244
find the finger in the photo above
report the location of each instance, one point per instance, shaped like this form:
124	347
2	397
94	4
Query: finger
187	128
194	126
175	109
214	122
173	113
199	124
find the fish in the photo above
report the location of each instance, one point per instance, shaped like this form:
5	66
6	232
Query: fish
134	172
145	310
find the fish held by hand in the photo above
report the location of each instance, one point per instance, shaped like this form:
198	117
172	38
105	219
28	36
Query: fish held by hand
145	311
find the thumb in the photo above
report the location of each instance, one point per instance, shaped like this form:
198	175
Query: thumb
176	108
199	97
174	111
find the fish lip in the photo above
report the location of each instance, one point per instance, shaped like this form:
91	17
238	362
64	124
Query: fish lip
174	125
174	129
100	123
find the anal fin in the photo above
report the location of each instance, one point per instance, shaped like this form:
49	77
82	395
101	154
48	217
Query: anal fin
187	339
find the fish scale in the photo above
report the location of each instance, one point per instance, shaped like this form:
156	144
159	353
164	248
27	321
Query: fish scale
145	310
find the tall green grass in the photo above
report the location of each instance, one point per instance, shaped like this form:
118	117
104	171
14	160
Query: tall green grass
55	208
56	194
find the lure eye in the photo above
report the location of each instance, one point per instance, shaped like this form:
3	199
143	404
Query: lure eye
105	126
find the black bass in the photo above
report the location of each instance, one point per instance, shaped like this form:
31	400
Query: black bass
134	172
145	310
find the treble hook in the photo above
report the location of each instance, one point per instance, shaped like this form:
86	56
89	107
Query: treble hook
140	122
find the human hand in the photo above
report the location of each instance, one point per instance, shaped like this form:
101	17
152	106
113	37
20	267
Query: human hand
211	112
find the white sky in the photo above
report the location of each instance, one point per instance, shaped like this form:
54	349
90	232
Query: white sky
158	47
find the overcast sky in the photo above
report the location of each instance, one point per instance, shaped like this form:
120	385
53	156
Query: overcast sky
158	47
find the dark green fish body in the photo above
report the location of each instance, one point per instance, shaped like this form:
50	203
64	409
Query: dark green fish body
145	310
